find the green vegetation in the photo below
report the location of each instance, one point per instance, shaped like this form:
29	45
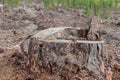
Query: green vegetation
12	2
96	7
16	2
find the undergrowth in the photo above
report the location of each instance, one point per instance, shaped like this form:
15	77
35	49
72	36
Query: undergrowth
97	7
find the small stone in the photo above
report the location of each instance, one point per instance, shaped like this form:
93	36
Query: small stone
1	50
118	54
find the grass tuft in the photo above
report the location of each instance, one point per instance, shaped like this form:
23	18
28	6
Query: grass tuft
11	2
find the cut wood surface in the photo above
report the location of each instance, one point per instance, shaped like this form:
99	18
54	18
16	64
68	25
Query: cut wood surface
50	31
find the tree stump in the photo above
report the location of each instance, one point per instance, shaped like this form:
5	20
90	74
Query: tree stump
64	51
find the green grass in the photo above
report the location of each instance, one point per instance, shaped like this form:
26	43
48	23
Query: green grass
96	7
11	2
16	2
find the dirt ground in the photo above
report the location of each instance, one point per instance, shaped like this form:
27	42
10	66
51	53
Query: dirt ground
17	23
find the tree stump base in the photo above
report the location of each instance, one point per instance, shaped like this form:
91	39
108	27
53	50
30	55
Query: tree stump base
64	52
